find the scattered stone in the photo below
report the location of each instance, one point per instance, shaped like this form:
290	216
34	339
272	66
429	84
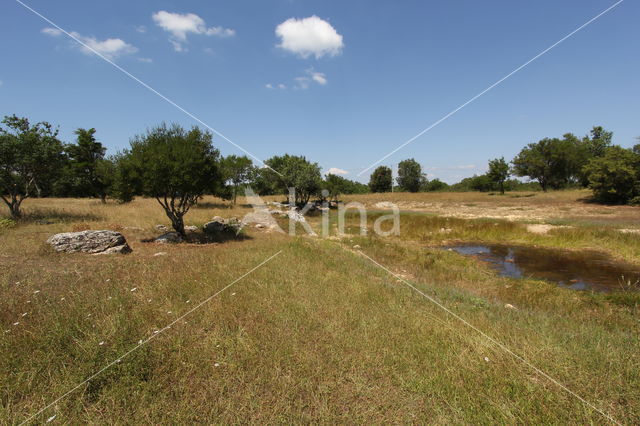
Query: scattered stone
95	242
630	231
486	359
191	228
259	226
356	247
162	228
295	216
161	253
510	306
384	205
542	228
445	230
219	225
169	238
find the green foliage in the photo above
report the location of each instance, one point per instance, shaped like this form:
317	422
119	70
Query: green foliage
434	185
381	180
81	177
238	171
30	158
291	171
176	167
409	175
554	163
337	185
7	223
498	172
615	176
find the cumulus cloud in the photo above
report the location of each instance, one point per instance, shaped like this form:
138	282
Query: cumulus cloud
110	48
180	25
337	171
309	36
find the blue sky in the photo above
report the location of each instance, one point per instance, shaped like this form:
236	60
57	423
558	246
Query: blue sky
361	76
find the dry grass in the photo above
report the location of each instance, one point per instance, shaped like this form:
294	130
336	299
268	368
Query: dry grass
319	335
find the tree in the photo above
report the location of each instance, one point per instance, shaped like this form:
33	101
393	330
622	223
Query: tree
552	162
381	180
176	167
435	185
409	174
291	171
614	177
30	157
337	185
238	171
498	172
84	159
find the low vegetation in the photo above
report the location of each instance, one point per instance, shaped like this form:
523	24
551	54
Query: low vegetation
320	333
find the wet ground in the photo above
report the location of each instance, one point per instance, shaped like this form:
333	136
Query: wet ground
587	270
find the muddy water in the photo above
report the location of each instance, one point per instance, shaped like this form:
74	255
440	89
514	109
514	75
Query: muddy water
585	270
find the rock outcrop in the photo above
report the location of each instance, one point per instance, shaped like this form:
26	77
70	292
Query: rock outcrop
94	242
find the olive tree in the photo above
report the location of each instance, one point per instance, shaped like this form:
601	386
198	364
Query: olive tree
292	171
176	167
30	157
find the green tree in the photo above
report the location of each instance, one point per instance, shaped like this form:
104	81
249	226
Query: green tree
237	170
409	175
291	171
30	157
381	180
176	167
435	185
614	177
84	157
498	172
554	163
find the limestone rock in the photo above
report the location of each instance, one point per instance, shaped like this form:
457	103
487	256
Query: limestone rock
169	238
95	242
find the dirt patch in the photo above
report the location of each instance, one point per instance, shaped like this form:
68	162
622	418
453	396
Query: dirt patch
542	228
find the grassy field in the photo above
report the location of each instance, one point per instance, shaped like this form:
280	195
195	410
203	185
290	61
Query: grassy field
319	333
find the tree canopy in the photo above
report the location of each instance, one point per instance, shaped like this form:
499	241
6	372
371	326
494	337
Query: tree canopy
381	180
176	167
409	175
30	159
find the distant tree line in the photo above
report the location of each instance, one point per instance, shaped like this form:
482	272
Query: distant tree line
610	171
177	167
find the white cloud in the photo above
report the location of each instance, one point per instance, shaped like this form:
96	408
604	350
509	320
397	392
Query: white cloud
337	171
141	29
318	77
110	48
145	60
275	86
180	25
54	32
303	83
309	36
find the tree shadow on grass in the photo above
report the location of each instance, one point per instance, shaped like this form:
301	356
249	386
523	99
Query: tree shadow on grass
219	237
49	216
210	205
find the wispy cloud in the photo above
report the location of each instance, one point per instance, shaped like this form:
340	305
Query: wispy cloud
180	25
110	48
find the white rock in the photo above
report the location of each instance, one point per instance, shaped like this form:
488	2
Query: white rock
96	242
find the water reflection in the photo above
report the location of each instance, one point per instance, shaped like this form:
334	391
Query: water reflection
587	270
